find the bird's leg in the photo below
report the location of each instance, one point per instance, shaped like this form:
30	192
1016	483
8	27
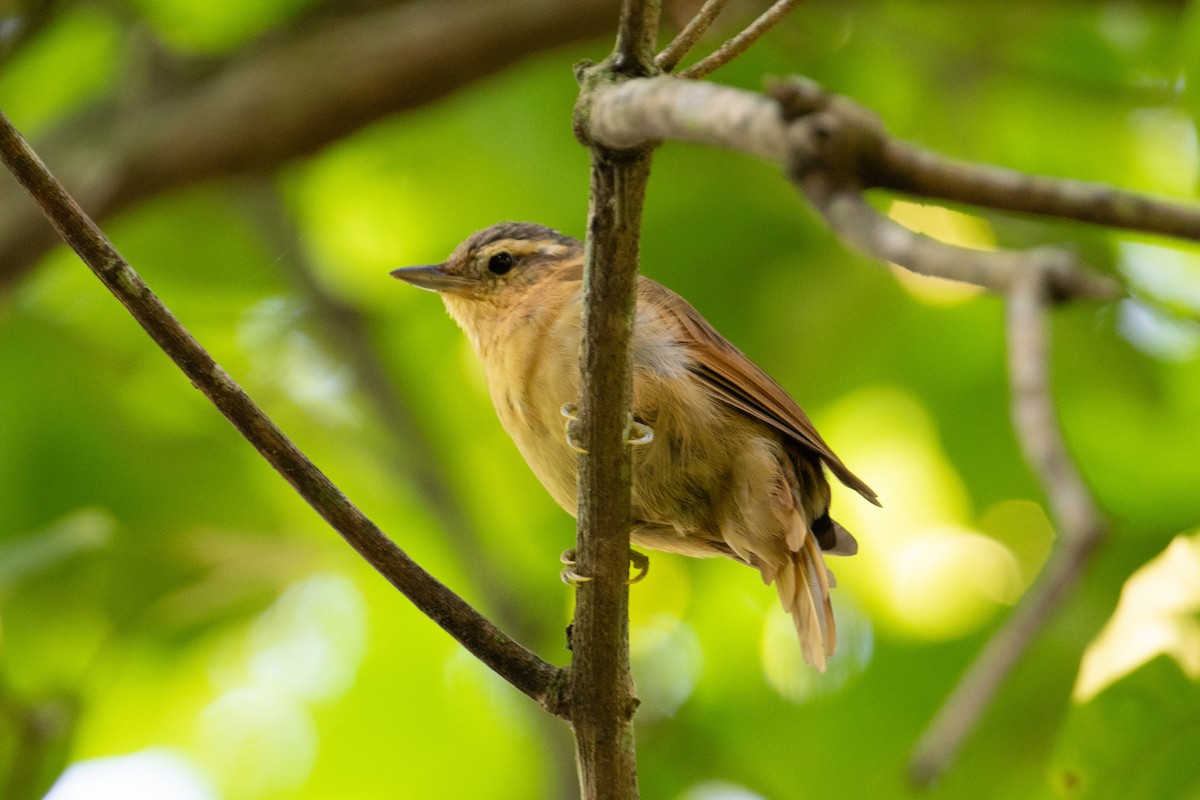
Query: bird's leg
639	561
639	432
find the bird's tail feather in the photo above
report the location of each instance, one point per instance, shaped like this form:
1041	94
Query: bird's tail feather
803	587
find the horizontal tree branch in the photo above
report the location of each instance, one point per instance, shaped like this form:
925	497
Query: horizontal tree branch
834	135
287	97
540	680
921	173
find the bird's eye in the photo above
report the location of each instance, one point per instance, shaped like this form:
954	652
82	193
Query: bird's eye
500	263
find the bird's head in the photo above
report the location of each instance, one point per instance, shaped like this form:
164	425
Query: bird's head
497	261
509	268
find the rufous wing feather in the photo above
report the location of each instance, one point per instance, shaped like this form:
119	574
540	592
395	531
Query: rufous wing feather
737	381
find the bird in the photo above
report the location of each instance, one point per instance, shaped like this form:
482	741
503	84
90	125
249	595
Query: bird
727	464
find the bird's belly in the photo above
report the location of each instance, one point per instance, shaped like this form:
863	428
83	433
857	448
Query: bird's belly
529	397
675	478
553	462
680	479
675	488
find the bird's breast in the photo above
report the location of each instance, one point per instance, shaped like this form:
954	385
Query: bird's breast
532	369
531	363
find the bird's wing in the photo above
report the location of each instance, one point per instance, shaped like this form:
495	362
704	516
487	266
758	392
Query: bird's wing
737	381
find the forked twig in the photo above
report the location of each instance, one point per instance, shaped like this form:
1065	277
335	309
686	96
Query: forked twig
682	44
740	43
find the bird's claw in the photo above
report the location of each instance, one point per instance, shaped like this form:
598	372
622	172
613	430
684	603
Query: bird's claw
571	412
639	432
568	574
639	561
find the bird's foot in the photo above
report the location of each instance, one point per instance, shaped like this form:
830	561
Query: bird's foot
639	432
571	412
639	561
569	576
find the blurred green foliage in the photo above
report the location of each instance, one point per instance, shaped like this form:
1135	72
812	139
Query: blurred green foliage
173	616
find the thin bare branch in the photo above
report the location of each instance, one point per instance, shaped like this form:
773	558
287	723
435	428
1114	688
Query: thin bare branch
540	680
602	689
1034	414
1081	526
846	138
922	173
414	455
740	43
859	225
683	43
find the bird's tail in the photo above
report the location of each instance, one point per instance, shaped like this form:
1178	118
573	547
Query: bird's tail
803	586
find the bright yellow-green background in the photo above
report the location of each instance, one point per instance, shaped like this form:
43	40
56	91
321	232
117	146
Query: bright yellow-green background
164	597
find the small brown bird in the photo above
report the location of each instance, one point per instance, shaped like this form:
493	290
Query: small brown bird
733	467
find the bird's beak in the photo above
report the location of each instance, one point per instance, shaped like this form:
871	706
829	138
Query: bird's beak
433	277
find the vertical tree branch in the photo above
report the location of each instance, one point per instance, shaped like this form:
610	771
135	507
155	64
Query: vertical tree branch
637	36
602	694
1080	524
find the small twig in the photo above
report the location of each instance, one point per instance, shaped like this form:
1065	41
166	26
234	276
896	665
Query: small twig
1081	527
740	43
686	39
1034	415
540	680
